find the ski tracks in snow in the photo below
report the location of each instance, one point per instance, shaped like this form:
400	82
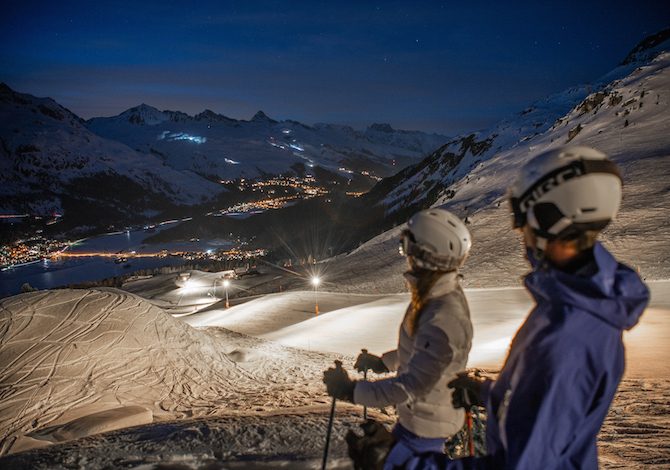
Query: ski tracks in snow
70	353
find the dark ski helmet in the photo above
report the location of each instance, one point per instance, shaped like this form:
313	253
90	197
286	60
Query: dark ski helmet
565	192
436	240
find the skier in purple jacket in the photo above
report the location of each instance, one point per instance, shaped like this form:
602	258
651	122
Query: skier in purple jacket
565	363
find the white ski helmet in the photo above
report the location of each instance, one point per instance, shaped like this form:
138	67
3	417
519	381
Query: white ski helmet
565	192
436	240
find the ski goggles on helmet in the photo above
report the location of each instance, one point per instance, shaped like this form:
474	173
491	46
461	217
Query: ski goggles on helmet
520	205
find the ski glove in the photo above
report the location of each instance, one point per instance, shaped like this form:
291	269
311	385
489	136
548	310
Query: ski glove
338	383
369	450
367	361
467	391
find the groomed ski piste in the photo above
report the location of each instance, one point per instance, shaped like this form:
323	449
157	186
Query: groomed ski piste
99	378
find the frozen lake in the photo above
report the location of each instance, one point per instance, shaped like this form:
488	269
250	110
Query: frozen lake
48	274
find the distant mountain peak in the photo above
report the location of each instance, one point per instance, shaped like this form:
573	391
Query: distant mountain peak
381	127
209	115
45	106
144	114
646	48
142	108
260	116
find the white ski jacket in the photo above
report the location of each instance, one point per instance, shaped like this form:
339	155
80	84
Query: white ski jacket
426	363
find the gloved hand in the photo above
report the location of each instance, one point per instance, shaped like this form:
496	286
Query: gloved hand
369	450
367	361
338	383
467	391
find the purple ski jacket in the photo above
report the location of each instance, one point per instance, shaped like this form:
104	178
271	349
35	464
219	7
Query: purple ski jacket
564	366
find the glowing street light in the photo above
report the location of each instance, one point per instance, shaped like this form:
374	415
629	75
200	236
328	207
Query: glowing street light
226	284
315	282
183	279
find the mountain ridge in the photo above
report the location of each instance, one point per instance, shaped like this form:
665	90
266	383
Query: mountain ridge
624	113
51	161
456	158
221	148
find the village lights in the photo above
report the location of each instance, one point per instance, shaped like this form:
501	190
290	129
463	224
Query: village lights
315	282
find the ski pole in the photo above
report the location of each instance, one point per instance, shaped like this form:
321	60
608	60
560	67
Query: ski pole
338	364
468	422
471	439
365	378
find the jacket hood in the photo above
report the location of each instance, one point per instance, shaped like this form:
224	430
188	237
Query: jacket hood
614	293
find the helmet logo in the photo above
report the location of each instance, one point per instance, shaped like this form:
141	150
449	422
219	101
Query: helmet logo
550	181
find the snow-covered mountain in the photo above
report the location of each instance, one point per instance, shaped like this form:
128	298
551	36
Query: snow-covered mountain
528	132
50	162
220	147
626	114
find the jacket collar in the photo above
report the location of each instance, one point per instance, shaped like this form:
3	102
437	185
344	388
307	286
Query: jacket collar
611	292
445	284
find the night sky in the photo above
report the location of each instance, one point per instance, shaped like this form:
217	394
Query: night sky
437	66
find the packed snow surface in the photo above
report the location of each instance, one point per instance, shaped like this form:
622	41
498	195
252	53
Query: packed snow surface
80	362
68	354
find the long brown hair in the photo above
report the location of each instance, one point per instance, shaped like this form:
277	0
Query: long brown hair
425	280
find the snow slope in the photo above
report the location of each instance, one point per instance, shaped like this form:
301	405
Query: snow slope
347	323
241	400
626	115
68	354
215	145
47	153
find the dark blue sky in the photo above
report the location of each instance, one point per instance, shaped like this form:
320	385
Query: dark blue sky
438	66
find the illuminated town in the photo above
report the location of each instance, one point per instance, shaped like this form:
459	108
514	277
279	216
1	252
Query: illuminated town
29	251
38	249
281	191
277	192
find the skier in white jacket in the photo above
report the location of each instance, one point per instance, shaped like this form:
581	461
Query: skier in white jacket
434	341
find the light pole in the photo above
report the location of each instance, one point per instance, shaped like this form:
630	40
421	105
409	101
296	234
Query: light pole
315	282
226	283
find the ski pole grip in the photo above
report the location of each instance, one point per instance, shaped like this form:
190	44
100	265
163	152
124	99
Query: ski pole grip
466	398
